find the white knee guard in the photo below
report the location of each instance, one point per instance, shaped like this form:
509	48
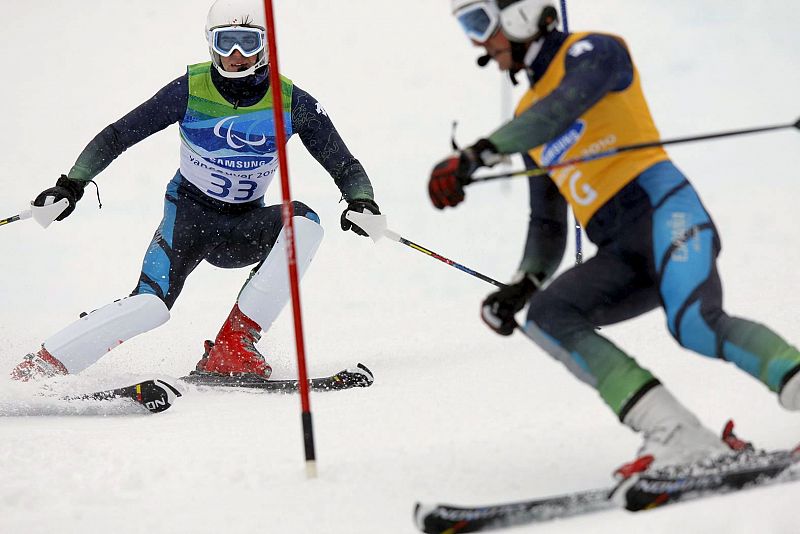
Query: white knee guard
86	340
268	291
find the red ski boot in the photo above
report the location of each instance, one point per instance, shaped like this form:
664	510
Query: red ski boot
234	351
39	365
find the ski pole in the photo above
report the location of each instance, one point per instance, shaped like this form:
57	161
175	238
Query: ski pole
394	237
578	228
22	216
638	146
375	227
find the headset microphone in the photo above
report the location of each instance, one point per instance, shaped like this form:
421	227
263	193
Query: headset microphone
484	60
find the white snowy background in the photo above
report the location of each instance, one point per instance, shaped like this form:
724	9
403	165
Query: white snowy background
457	414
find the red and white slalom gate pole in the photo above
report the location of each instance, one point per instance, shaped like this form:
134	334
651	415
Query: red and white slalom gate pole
287	212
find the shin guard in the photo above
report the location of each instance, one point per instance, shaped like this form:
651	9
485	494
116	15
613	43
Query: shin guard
85	341
268	291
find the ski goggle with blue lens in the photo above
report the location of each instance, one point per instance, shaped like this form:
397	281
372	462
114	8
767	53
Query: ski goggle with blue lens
479	21
248	41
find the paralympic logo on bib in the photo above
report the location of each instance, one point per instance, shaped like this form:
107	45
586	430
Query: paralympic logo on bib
554	150
234	140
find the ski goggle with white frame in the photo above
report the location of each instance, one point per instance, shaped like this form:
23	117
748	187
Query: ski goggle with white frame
479	21
248	41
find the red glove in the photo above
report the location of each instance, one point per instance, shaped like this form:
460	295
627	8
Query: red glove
445	187
449	176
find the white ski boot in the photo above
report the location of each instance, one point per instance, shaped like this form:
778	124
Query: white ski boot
672	434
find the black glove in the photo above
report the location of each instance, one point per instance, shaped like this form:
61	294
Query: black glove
359	206
449	176
499	308
65	187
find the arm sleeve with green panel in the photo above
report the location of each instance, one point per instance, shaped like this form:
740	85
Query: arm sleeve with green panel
166	107
315	128
589	76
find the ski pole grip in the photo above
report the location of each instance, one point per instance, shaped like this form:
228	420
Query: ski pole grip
45	215
797	124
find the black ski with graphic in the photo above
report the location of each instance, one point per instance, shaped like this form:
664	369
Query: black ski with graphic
745	470
154	395
356	377
749	470
441	518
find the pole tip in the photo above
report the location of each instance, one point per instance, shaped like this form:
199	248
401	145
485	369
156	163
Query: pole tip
311	469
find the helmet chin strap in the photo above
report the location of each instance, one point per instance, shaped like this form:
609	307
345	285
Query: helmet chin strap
518	51
242	73
238	74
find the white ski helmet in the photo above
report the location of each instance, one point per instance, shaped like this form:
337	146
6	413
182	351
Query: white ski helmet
237	25
523	20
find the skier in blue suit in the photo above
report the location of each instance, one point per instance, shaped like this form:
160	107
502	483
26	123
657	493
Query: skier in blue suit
214	208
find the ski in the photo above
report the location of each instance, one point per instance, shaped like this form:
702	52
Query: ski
645	492
445	518
154	395
746	470
356	377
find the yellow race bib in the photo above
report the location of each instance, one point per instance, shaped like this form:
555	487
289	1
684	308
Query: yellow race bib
619	118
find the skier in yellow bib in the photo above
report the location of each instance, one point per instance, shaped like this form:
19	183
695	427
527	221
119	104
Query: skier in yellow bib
657	245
